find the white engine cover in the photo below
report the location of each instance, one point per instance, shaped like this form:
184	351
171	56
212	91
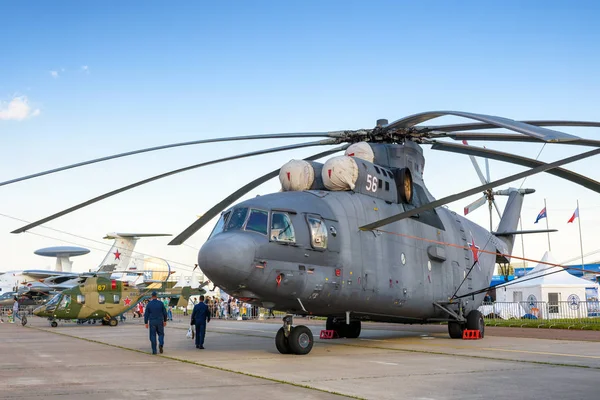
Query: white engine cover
340	173
361	150
296	175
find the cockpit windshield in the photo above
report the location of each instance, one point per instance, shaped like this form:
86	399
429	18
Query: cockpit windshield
238	217
257	222
282	229
220	224
54	301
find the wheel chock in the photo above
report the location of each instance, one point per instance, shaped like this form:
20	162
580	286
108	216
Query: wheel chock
328	334
471	334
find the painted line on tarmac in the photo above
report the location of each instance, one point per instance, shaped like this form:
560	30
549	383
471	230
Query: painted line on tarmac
545	353
383	363
278	381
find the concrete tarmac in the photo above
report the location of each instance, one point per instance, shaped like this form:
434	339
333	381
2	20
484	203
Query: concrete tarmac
240	361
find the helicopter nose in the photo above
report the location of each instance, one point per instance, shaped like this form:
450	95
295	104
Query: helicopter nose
227	258
39	311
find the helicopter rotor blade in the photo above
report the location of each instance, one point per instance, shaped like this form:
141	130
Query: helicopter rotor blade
547	135
476	166
479	125
507	137
462	195
182	144
219	207
475	205
164	175
514	159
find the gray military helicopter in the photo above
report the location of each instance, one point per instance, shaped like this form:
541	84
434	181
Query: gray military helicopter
318	247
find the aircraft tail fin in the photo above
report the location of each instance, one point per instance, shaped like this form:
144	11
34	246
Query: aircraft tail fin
510	217
119	255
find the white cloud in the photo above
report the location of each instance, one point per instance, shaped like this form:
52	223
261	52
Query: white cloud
85	69
17	109
54	74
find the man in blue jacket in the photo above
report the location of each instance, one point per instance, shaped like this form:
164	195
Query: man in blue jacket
155	317
200	316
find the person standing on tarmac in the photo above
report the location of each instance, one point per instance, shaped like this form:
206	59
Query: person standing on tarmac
155	318
200	316
16	310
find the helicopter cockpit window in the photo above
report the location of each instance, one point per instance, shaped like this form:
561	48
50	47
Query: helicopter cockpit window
220	224
282	229
318	232
65	301
54	301
237	219
257	222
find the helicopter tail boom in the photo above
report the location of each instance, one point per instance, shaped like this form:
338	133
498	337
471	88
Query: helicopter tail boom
507	229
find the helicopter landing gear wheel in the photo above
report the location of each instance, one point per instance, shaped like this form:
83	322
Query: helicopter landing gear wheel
113	322
339	326
293	339
281	342
476	322
54	324
455	329
23	320
300	340
353	330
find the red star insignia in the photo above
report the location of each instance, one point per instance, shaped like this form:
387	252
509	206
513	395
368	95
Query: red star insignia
127	301
474	250
117	255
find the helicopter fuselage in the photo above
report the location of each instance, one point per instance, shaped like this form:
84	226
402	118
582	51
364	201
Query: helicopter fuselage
392	275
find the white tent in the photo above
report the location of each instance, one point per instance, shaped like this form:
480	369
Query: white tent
549	291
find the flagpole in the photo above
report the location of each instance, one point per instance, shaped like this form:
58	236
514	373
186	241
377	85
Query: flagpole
580	239
547	228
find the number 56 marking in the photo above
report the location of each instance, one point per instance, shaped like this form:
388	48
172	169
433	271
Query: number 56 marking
372	183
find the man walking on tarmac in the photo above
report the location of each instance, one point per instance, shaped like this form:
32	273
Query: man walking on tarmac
16	310
155	318
200	316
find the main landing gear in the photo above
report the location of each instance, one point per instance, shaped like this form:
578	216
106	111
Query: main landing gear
474	322
342	329
293	339
111	321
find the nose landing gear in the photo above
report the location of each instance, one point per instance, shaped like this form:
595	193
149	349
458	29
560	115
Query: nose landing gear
293	339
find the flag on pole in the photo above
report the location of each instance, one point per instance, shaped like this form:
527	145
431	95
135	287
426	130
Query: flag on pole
541	215
575	215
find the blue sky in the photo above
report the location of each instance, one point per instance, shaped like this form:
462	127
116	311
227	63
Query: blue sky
86	80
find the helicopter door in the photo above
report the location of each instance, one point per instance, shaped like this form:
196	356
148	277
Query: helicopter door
441	278
370	245
64	308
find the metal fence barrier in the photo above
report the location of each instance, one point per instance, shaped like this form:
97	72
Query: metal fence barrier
577	312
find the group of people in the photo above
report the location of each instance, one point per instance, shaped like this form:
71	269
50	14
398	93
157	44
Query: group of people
231	308
156	316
